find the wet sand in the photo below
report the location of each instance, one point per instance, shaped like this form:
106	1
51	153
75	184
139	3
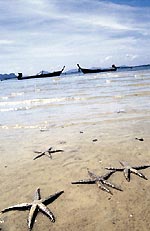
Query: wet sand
80	207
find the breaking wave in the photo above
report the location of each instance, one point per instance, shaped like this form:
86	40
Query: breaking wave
30	104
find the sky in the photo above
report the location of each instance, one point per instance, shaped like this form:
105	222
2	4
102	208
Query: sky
48	34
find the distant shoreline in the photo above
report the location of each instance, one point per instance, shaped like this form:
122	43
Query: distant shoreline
75	71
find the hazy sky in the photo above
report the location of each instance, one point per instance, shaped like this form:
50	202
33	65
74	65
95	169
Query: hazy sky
48	34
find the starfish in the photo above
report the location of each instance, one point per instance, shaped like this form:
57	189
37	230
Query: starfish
35	206
101	181
48	153
127	169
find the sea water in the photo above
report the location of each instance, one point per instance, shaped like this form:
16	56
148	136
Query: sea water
76	98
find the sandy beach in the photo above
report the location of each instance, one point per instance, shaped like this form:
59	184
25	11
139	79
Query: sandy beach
81	207
86	144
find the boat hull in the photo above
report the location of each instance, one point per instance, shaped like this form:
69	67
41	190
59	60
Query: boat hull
88	71
53	74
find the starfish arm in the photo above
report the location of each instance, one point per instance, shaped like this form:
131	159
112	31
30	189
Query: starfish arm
124	163
37	195
48	154
51	198
59	150
108	174
32	215
17	207
101	186
92	175
49	150
46	211
114	169
111	185
127	174
38	156
138	173
88	181
141	167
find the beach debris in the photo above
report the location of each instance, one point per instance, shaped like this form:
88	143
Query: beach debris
36	205
121	111
63	142
81	131
140	139
48	153
43	130
101	181
94	140
127	170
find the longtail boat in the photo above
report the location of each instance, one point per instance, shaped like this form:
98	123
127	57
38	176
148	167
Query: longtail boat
41	75
87	71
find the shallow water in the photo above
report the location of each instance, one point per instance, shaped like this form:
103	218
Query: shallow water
55	101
